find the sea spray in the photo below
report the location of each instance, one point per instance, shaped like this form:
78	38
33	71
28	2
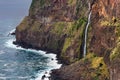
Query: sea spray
11	32
52	62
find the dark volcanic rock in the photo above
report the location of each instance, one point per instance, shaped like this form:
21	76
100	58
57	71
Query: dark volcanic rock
58	26
83	70
54	26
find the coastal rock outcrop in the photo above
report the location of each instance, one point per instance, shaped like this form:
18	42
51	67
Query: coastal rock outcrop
58	26
55	26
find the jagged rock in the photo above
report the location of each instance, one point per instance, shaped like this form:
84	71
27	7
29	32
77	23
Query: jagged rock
58	26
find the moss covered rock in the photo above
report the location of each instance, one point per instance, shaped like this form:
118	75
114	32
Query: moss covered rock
89	68
58	26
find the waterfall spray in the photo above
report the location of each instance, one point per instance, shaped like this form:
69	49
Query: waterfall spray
86	31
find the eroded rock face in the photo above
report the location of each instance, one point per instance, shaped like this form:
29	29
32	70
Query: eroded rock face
55	26
58	26
105	21
103	28
89	68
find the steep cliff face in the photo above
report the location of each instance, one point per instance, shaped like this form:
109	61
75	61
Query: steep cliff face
89	68
104	22
55	26
58	26
105	34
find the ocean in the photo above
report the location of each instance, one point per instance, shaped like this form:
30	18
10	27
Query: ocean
17	63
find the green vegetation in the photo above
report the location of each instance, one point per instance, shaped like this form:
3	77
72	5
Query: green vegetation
77	27
81	8
67	43
113	22
81	22
42	2
37	3
53	45
33	3
58	27
61	28
24	24
71	2
74	30
98	66
35	26
117	31
116	51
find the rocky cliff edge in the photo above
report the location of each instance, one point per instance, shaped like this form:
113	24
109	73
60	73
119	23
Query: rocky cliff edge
58	26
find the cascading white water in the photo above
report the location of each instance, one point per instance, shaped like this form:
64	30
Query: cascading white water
86	30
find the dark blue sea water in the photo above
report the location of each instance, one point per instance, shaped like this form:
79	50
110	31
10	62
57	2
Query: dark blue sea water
17	63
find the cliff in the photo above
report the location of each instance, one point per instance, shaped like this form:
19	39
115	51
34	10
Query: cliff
59	25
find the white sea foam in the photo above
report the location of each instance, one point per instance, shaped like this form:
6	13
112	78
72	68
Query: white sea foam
3	78
10	44
8	70
12	31
10	64
1	60
21	78
52	63
2	74
14	77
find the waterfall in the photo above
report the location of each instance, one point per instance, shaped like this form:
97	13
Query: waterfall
86	30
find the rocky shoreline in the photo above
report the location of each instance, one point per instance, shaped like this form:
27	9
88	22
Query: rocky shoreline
27	46
58	26
47	74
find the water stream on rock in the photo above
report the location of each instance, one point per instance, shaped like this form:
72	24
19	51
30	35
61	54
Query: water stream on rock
86	31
